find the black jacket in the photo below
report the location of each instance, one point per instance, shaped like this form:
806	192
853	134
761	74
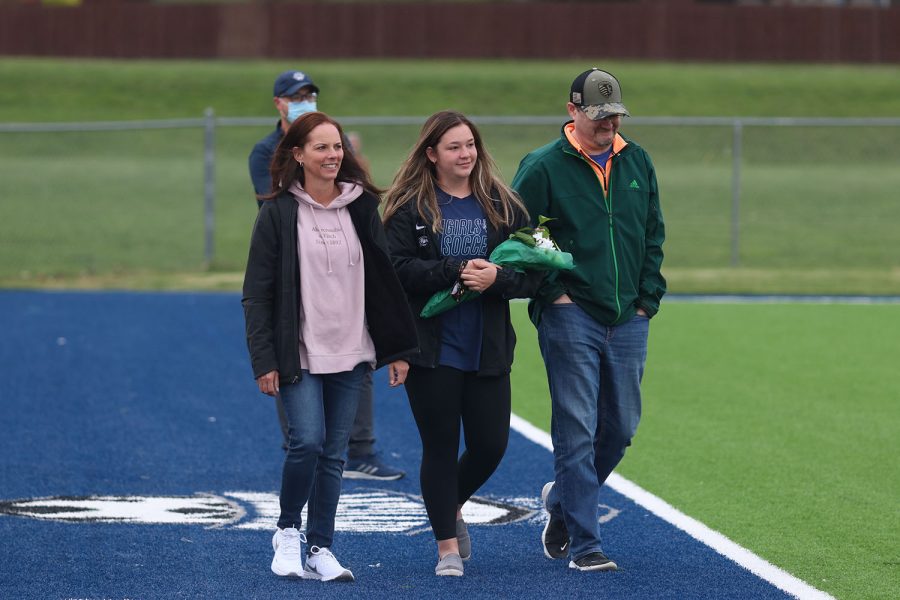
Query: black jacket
415	252
272	284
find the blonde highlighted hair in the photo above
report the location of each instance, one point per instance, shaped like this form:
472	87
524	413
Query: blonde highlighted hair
417	178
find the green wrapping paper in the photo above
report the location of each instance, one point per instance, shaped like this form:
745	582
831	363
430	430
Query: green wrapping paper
514	253
442	301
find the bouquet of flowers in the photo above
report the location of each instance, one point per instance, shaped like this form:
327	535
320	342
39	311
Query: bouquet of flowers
528	249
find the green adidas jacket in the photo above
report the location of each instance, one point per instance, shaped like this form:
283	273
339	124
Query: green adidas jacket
616	238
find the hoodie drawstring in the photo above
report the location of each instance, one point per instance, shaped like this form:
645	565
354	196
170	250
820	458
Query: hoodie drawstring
321	237
344	225
343	222
348	193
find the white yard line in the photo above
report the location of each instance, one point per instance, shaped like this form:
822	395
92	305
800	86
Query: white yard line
715	540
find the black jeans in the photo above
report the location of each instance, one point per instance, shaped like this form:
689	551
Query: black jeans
441	400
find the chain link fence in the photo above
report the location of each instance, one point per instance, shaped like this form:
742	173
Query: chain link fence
790	194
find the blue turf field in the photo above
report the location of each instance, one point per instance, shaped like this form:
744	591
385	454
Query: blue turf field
133	396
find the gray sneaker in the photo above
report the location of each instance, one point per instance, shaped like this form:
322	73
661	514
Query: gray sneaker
463	539
451	565
371	467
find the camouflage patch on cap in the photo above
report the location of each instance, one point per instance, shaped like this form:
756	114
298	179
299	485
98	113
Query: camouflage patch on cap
595	112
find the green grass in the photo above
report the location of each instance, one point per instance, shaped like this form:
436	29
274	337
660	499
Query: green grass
89	203
818	204
775	425
41	89
110	203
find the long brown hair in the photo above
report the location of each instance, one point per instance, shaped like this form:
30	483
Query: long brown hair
285	169
417	177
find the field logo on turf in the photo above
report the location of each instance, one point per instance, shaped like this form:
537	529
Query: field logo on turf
362	511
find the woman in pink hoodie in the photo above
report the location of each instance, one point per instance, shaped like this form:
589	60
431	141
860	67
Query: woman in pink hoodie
323	306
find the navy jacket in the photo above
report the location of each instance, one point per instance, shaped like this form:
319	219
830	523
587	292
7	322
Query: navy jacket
415	252
260	159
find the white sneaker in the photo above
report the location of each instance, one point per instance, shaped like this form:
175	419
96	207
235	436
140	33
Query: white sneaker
286	544
322	565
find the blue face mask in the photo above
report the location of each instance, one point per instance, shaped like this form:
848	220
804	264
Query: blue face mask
295	109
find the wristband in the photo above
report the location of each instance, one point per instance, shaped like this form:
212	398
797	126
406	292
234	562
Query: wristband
459	288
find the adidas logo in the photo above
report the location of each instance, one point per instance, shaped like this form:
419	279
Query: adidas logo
634	185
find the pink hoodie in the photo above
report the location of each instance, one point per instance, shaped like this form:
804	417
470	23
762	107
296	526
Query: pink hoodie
333	332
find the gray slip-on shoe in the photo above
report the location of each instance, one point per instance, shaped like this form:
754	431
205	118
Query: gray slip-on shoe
463	539
451	565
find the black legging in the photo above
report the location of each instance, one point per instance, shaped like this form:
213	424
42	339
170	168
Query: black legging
440	398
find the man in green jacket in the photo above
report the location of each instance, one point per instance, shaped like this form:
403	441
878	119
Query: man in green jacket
593	321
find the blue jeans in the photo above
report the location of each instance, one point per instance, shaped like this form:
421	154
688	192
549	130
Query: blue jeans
595	374
320	411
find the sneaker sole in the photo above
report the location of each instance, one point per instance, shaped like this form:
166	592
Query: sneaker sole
361	475
290	573
610	566
545	491
449	573
346	576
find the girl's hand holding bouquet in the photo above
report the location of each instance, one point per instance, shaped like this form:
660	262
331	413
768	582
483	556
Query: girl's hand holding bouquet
528	249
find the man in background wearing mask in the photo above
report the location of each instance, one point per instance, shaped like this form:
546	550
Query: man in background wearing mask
296	94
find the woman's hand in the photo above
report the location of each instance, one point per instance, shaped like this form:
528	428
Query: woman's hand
268	383
397	371
479	274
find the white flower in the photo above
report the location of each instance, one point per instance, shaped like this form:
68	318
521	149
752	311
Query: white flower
542	242
541	239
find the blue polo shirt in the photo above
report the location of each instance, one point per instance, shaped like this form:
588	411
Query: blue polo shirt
463	235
